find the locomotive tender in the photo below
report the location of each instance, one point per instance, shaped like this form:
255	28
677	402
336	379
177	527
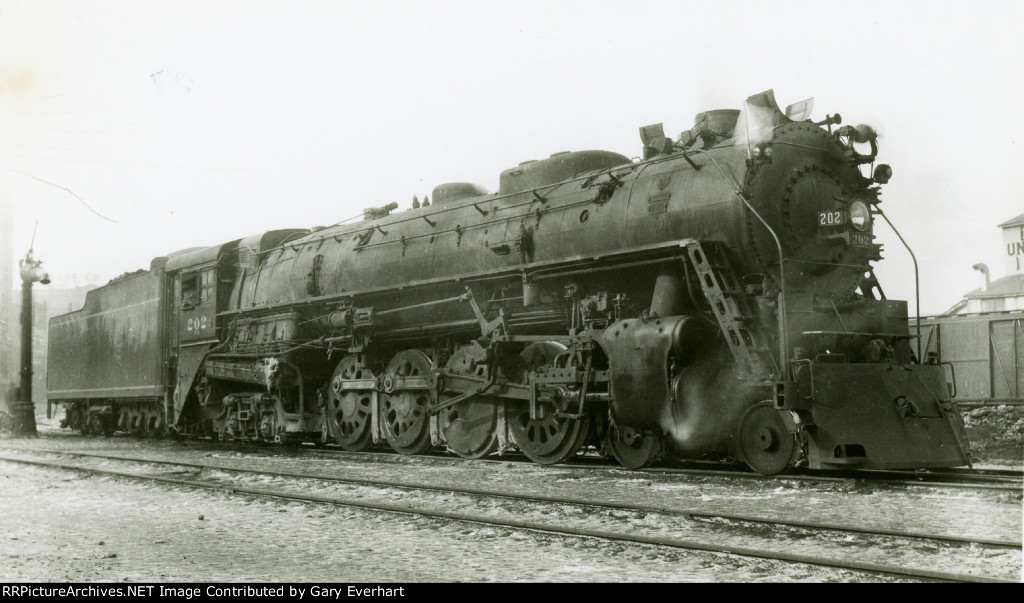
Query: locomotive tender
714	298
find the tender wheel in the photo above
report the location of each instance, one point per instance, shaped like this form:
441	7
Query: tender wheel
547	439
403	413
470	427
763	442
348	412
632	448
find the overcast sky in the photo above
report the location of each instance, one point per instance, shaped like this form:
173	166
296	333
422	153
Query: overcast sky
177	124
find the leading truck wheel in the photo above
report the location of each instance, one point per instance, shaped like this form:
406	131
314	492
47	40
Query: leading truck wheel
632	448
763	442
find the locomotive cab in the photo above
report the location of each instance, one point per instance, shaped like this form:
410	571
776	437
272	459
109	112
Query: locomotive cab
198	283
195	294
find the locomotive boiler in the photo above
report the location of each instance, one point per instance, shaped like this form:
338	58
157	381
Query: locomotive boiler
714	298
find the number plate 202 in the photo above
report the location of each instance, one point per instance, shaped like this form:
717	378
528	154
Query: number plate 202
834	217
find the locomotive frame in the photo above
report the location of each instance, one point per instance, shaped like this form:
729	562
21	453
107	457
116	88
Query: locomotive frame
715	298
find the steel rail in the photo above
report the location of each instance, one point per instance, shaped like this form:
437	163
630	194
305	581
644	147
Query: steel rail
996	475
874	476
989	403
1010	481
689	513
913	479
539	527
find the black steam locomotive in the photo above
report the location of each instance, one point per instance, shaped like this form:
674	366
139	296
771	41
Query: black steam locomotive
714	298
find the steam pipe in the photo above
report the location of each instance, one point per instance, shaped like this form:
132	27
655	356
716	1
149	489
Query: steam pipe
783	330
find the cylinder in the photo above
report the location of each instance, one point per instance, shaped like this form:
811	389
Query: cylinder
341	318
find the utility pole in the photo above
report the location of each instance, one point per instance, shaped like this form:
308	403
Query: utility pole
24	410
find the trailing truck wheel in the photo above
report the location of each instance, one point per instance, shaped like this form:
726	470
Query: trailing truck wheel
763	442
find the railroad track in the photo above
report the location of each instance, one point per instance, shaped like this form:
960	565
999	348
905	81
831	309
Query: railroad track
716	528
1010	480
983	479
990	403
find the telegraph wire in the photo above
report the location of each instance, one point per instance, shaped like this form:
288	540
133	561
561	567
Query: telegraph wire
147	166
63	188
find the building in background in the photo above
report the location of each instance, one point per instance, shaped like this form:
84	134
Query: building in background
982	336
1006	293
8	329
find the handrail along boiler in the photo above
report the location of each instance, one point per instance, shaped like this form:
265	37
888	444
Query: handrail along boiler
714	298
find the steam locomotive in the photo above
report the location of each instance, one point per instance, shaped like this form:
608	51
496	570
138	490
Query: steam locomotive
713	299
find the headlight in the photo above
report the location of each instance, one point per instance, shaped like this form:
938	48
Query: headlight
860	215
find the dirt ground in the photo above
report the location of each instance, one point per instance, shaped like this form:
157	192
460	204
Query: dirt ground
996	433
60	526
67	527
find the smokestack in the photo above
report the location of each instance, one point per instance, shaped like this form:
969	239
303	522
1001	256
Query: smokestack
982	268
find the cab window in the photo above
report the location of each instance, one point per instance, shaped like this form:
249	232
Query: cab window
189	291
206	285
197	288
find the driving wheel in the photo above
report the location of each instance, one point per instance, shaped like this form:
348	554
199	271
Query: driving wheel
548	438
470	427
403	412
348	411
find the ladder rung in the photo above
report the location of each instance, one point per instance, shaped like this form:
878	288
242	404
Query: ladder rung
729	304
